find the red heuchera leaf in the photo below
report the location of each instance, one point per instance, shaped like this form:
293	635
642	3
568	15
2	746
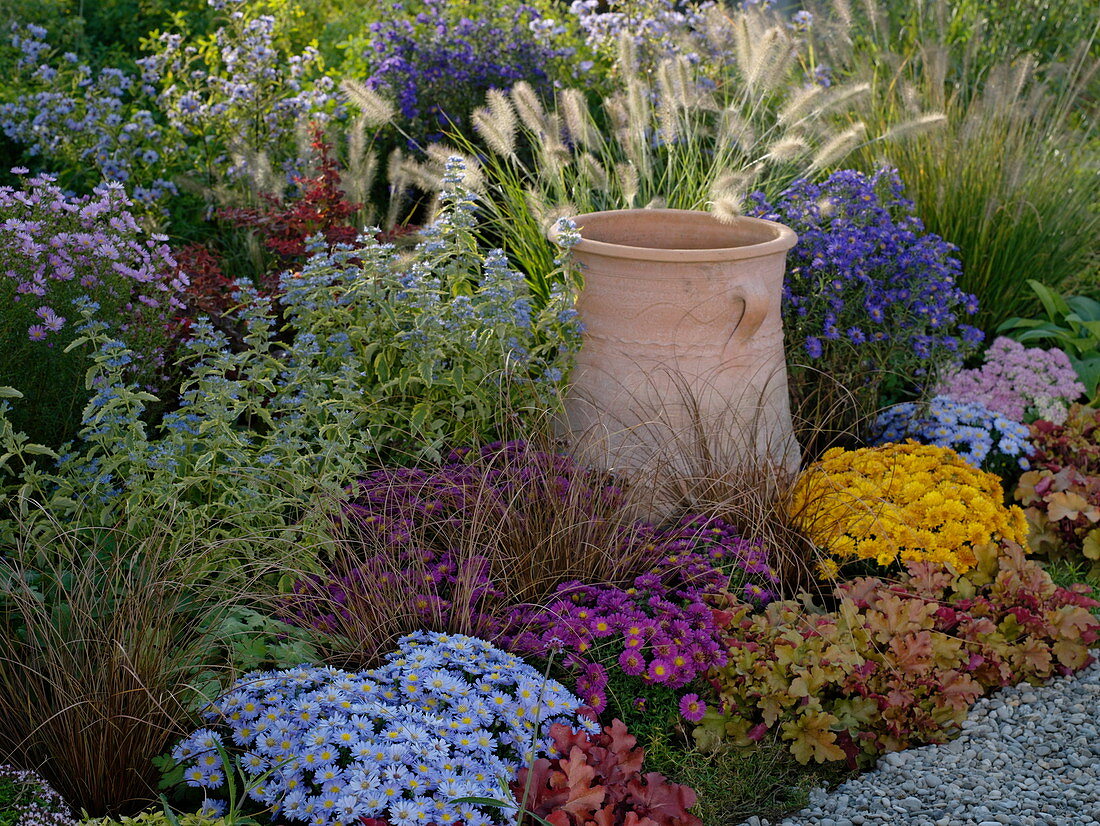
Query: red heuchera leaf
757	732
582	797
912	652
600	783
208	288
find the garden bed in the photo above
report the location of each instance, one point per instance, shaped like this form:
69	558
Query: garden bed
291	526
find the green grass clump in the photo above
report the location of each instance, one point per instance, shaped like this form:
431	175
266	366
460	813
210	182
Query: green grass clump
733	783
1067	572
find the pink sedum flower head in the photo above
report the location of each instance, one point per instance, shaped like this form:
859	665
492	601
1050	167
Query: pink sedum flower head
1021	383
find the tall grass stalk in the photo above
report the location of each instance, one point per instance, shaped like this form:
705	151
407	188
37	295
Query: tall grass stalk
1012	179
692	458
1006	168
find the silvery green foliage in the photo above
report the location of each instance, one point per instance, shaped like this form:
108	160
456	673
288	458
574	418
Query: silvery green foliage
391	356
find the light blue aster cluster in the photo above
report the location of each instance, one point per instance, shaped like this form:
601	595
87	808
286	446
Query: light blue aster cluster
446	717
975	432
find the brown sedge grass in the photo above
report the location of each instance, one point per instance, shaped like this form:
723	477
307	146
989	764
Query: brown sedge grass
544	531
100	673
533	542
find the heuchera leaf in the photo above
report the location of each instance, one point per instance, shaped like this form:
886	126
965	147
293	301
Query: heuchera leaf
1090	547
912	652
1033	658
811	738
899	664
600	783
960	690
583	797
1067	505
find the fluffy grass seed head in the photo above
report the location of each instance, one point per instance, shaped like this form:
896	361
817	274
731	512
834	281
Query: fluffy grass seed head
496	123
373	107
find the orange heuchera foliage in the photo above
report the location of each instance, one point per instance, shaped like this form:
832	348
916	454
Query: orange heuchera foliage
895	664
598	781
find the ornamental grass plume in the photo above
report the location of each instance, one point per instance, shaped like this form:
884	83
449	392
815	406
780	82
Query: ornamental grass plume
904	502
690	134
1008	174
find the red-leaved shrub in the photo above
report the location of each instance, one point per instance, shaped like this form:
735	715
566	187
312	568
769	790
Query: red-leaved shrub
598	781
320	207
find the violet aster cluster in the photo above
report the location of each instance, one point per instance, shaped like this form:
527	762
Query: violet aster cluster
406	519
981	436
446	717
1021	383
658	628
437	66
865	275
54	251
31	799
54	247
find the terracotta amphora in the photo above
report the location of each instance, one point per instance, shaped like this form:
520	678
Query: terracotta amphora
683	341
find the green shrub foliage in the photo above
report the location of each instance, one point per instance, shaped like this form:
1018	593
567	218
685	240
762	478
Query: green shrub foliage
390	356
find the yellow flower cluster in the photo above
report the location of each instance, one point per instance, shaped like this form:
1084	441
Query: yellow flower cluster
916	502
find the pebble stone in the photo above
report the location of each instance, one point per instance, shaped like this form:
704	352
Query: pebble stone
1027	756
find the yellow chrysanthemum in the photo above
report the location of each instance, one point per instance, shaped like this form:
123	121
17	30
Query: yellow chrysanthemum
904	501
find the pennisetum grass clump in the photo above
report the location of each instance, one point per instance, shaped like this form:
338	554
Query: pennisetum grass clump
1009	178
996	149
683	137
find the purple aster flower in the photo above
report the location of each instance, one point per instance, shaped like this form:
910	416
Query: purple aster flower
692	708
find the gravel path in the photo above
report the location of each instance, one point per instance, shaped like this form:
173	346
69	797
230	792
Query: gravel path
1027	756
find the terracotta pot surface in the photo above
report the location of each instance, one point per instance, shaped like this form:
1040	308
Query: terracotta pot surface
683	338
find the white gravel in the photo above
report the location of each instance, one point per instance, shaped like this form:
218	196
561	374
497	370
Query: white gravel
1027	756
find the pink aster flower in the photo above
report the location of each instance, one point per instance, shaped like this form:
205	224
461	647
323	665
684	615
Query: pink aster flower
631	662
660	670
692	708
